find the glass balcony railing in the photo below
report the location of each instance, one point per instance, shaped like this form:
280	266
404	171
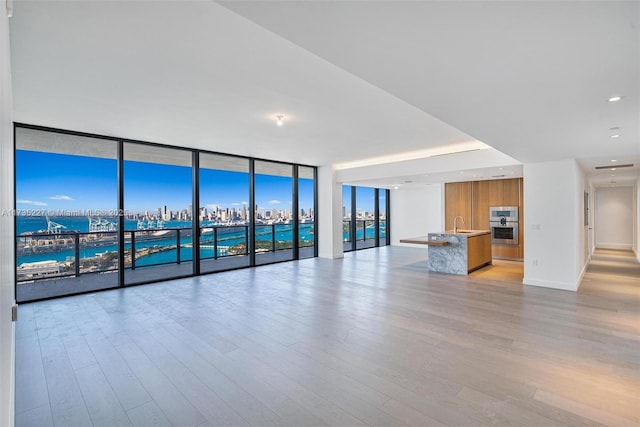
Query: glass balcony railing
72	254
222	241
53	255
365	230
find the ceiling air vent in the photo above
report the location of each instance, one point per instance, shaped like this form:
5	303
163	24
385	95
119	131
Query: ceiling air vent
629	165
498	176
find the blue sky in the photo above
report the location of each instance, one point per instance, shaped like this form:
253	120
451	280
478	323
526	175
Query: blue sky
365	200
66	182
62	182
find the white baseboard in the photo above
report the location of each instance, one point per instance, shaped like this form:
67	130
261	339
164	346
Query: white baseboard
618	246
582	273
563	286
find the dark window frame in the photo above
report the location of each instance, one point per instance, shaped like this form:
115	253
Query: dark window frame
195	153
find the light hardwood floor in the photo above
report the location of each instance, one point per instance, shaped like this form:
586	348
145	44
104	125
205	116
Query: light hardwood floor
373	339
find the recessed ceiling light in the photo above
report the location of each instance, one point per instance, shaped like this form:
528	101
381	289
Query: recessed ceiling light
614	98
615	136
279	119
613	160
613	169
395	187
501	168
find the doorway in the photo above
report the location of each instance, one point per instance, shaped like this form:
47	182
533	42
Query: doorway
614	215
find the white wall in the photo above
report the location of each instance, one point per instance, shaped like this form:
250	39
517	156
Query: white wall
416	212
329	227
555	235
614	218
636	220
7	270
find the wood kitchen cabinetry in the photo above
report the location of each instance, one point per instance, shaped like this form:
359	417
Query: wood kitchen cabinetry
471	200
457	202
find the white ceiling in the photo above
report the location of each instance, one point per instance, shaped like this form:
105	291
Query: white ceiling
355	80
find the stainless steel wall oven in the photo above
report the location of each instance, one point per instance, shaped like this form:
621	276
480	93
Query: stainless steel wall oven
504	225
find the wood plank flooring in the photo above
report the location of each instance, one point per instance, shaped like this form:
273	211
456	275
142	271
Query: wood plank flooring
373	339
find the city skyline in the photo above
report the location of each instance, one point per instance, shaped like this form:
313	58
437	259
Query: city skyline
81	183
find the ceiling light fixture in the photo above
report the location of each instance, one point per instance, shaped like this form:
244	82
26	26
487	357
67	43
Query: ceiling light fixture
280	119
614	98
615	136
614	160
395	187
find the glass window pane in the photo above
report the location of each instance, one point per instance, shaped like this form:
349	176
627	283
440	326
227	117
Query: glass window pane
382	216
224	212
346	218
273	216
66	199
157	202
365	217
306	214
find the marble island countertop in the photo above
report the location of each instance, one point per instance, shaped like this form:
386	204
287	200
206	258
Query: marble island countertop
440	239
467	250
456	253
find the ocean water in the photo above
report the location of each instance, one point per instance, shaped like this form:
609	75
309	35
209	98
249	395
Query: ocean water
226	237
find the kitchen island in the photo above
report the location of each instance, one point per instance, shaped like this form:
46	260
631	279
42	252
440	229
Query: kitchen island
458	252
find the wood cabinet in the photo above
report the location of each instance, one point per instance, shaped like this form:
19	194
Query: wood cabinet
479	251
457	202
511	192
474	199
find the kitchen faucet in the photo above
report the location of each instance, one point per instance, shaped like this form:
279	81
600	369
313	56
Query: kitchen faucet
455	223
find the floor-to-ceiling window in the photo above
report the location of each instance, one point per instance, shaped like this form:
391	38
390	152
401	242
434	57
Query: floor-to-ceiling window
365	218
306	212
66	214
365	213
383	209
274	217
224	213
99	212
157	212
347	218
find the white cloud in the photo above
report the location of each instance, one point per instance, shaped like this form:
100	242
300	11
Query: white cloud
60	197
235	204
274	202
30	202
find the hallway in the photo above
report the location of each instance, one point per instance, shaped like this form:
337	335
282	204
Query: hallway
614	262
